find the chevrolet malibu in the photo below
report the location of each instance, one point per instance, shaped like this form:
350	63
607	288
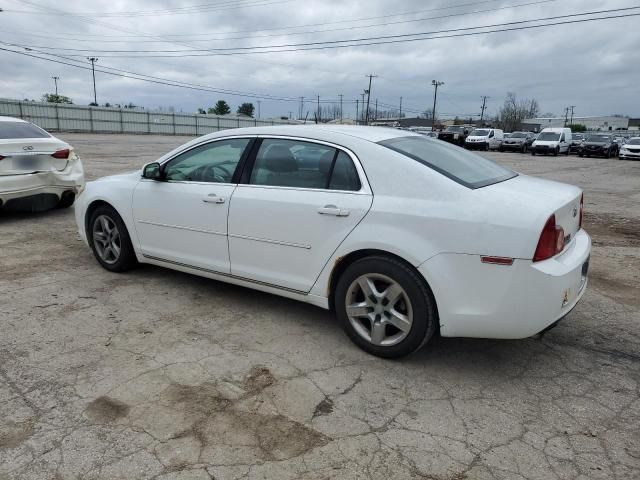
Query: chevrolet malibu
401	235
37	170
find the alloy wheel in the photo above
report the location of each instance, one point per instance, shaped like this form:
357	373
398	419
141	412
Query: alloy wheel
106	239
379	309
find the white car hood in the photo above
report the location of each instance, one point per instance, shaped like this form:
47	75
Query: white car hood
477	139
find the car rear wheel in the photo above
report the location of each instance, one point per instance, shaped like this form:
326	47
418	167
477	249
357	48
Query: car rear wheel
385	306
110	241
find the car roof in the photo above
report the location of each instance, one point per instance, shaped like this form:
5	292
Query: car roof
11	119
320	132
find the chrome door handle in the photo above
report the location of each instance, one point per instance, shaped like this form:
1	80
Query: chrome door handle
333	210
213	198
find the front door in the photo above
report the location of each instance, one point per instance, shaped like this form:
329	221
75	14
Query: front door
299	202
183	219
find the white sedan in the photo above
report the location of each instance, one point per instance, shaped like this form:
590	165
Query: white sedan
37	170
401	235
630	150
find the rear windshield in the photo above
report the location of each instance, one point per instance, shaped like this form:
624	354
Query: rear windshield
458	164
21	130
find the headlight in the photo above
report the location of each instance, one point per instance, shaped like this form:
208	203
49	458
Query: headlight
624	149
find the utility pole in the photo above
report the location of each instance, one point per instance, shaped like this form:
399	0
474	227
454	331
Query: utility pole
400	115
566	116
93	61
362	116
371	77
258	109
340	107
376	116
357	113
484	107
572	107
55	80
436	84
301	107
319	111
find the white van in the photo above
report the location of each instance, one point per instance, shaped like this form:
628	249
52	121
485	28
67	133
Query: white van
553	141
484	139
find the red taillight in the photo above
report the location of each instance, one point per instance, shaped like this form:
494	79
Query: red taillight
61	153
551	240
581	210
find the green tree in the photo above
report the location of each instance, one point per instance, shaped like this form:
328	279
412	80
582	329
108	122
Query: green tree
221	108
201	111
246	109
53	98
577	127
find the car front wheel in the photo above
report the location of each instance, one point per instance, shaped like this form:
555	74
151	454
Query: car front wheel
385	306
110	241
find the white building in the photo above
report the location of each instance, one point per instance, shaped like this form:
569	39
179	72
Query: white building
592	123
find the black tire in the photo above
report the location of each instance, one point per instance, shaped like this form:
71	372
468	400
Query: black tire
581	155
533	154
66	200
608	155
127	257
524	149
556	151
425	316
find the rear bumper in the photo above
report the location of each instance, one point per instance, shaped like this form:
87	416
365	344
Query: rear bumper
509	302
40	184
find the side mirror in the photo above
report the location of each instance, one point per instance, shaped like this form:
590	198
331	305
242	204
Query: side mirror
152	171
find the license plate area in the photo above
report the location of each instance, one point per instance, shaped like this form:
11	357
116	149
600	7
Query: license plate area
27	162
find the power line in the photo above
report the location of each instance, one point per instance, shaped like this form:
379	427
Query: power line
126	39
380	40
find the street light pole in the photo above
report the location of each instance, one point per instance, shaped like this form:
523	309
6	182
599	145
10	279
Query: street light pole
340	107
55	81
436	84
93	61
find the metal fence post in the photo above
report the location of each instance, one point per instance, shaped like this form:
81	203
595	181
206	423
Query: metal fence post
238	122
173	119
197	125
57	117
121	123
218	127
148	123
91	118
20	107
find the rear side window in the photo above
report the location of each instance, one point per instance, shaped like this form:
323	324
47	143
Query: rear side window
10	130
294	163
458	164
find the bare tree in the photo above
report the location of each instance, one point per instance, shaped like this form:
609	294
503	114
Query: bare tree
514	111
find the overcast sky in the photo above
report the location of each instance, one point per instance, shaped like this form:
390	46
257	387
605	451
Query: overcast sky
594	65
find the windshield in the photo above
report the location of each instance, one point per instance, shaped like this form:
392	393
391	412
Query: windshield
599	138
460	165
455	129
480	133
21	130
634	141
518	135
549	136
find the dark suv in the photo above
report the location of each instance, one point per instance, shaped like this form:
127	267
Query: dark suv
599	146
456	134
577	139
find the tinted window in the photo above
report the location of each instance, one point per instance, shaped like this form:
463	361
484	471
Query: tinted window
480	133
344	175
461	165
549	137
214	162
21	130
293	163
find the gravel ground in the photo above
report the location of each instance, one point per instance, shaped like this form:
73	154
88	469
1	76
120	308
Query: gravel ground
159	374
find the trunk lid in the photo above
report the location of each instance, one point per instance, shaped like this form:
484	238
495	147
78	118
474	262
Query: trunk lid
29	155
526	203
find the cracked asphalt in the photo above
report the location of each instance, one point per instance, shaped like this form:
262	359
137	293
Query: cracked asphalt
157	374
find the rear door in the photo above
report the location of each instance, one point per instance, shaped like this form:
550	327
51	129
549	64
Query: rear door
297	202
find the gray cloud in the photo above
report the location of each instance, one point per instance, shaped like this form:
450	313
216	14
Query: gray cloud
592	65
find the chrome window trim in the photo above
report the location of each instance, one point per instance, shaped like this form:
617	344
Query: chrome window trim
365	188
